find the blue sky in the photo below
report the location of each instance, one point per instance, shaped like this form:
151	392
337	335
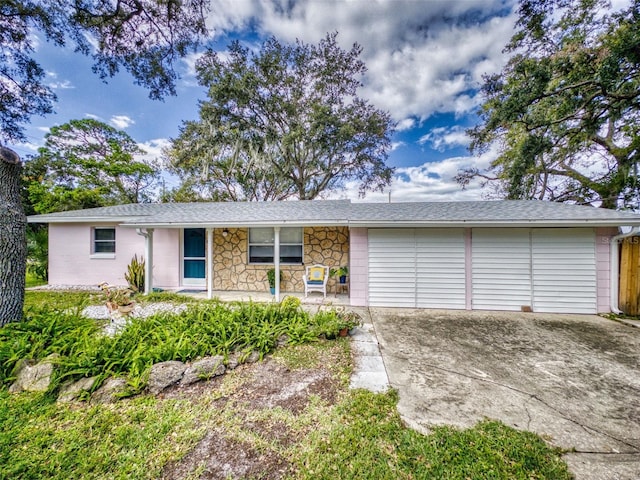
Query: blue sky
425	62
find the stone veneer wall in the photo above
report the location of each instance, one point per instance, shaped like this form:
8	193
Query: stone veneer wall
231	270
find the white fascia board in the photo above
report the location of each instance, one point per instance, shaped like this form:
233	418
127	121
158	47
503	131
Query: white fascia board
45	219
500	224
279	223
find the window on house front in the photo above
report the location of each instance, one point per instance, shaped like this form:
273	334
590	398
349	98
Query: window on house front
104	240
261	245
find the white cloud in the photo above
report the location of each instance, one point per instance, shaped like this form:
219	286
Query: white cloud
153	149
63	85
93	117
121	121
429	182
29	146
443	138
55	84
423	57
190	62
406	124
396	145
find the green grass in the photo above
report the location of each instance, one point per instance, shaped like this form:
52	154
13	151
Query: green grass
365	438
134	439
358	435
38	299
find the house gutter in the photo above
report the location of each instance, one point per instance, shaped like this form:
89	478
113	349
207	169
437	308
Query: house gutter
147	233
615	267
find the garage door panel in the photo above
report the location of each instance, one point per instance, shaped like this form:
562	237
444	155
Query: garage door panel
564	270
440	267
391	268
501	266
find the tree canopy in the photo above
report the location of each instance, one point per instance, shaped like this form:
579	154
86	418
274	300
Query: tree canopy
285	122
86	163
565	110
145	37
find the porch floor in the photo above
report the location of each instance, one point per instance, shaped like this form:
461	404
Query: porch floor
314	298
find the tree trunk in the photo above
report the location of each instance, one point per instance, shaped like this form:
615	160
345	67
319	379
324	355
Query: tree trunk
13	243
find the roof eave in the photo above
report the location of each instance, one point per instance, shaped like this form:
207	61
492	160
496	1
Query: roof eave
269	223
494	223
101	219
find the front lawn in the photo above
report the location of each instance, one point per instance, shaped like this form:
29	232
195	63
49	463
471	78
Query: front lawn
290	416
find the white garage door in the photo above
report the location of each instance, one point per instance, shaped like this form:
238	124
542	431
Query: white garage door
501	268
564	270
422	268
549	269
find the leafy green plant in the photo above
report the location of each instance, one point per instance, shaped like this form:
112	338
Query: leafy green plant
206	328
339	271
38	252
271	277
135	274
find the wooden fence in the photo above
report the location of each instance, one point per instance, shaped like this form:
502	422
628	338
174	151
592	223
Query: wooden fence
629	299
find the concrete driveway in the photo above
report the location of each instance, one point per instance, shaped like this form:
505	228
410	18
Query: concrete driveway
575	379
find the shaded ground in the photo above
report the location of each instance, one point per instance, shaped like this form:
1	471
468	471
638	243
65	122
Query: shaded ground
259	413
575	379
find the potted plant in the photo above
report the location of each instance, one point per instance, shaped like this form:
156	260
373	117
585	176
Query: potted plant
117	298
271	278
348	321
341	273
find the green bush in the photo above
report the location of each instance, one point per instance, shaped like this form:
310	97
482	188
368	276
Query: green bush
38	252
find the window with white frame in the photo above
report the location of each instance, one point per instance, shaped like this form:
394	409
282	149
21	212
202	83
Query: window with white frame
104	240
262	240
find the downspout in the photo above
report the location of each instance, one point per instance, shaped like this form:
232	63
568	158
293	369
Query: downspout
276	259
147	233
614	260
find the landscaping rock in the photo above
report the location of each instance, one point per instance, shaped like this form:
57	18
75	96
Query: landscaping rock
109	391
204	369
253	357
33	377
70	391
232	361
282	340
164	375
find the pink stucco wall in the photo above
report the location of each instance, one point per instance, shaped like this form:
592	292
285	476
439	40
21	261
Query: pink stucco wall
71	262
603	266
359	267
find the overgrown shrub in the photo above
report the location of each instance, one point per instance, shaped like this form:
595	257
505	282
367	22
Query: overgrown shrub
204	329
38	252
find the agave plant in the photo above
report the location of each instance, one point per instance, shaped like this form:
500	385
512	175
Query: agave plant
135	274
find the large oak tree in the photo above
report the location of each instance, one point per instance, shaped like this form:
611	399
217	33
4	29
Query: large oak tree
284	122
145	37
565	110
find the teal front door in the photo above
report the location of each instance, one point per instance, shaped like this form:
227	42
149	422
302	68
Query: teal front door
194	261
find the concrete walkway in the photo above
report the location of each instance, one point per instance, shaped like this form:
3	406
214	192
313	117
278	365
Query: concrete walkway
369	371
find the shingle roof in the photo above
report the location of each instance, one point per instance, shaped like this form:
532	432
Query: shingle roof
343	212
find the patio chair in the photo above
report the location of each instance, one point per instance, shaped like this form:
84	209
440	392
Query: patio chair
315	279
